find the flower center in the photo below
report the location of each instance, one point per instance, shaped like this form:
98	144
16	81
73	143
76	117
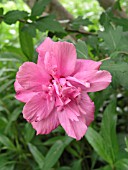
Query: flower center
65	92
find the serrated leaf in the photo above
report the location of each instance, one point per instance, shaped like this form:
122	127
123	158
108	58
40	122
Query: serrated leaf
122	22
12	16
49	23
81	49
119	71
26	42
80	21
111	37
39	158
39	7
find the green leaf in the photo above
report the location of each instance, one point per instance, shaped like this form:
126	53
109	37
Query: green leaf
122	164
55	152
53	155
39	7
81	49
49	23
64	168
6	85
30	29
39	158
26	42
3	160
1	14
12	16
13	117
3	124
107	167
8	167
119	71
1	11
6	142
108	130
97	142
80	21
52	140
122	22
126	141
28	132
77	165
111	37
102	95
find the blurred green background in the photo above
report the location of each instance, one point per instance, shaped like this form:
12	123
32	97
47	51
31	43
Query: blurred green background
99	34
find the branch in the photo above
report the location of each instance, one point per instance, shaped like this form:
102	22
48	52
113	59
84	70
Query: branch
80	31
61	13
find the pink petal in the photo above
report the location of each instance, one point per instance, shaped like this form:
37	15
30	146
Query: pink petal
86	107
31	77
86	65
44	47
22	94
63	53
98	80
66	58
45	126
38	108
76	82
72	123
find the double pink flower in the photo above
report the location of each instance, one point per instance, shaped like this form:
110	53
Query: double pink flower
55	89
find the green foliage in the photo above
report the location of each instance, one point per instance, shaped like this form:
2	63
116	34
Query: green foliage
39	158
80	21
25	39
12	16
96	35
81	49
105	143
49	23
39	7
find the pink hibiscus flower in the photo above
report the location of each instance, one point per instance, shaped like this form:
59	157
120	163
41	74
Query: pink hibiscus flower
55	89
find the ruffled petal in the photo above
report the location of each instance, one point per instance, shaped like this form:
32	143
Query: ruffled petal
44	47
73	123
30	77
76	82
63	56
96	80
86	107
86	65
38	108
22	94
45	126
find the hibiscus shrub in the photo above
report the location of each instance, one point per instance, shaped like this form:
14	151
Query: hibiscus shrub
53	69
